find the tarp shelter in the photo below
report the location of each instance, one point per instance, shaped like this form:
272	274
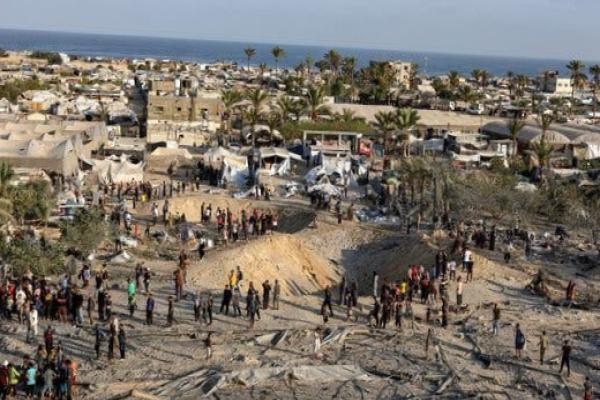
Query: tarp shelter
234	167
163	157
277	160
117	171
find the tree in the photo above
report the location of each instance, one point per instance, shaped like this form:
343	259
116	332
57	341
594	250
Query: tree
314	102
250	53
85	233
278	53
467	94
25	255
595	83
258	98
454	80
347	116
385	122
542	149
349	65
511	83
578	78
413	79
30	201
514	126
3	53
230	100
406	118
285	107
273	121
334	60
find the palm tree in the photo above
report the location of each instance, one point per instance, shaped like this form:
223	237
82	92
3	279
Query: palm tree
314	102
514	127
406	118
348	116
230	99
250	53
334	60
285	106
542	149
578	78
257	98
511	83
476	75
454	80
273	121
595	77
467	94
385	122
309	61
349	67
484	77
278	53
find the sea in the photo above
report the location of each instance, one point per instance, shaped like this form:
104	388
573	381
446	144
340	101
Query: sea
209	51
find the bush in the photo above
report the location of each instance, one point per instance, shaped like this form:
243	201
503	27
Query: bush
51	57
12	90
26	254
31	201
3	53
85	233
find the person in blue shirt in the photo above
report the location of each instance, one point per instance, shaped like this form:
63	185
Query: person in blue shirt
150	309
30	380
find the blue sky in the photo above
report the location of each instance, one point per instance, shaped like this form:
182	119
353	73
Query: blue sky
533	28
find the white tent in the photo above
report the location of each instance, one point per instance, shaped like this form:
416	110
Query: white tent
120	171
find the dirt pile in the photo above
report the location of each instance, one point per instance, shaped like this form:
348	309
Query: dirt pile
281	256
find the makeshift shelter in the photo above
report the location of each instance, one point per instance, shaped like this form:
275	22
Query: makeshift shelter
117	171
277	160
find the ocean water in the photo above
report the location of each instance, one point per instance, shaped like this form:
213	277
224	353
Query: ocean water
206	51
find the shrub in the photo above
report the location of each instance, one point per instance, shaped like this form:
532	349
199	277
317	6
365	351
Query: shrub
85	233
26	254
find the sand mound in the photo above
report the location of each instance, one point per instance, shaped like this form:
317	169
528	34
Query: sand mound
281	256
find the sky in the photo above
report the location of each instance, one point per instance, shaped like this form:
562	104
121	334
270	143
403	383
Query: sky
564	29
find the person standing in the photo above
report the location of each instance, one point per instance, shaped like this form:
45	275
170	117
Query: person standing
235	302
266	294
496	320
149	309
91	304
99	336
566	357
460	287
170	311
543	346
227	295
276	294
327	300
179	280
122	343
588	390
519	341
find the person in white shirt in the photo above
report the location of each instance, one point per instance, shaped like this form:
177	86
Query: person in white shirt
32	326
466	258
452	269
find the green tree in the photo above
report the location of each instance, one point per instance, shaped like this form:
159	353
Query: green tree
454	80
578	78
85	233
334	60
258	98
514	125
314	102
25	255
406	119
250	53
543	149
230	99
595	83
31	201
385	122
278	53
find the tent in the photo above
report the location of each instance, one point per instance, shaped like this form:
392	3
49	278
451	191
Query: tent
119	171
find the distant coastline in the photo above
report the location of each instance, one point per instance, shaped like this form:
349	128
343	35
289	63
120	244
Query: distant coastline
208	51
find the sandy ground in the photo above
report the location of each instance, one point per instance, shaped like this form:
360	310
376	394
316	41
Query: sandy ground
170	362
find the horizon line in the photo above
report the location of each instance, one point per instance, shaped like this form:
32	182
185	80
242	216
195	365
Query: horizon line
262	42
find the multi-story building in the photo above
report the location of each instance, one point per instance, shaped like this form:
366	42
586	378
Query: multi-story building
551	82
